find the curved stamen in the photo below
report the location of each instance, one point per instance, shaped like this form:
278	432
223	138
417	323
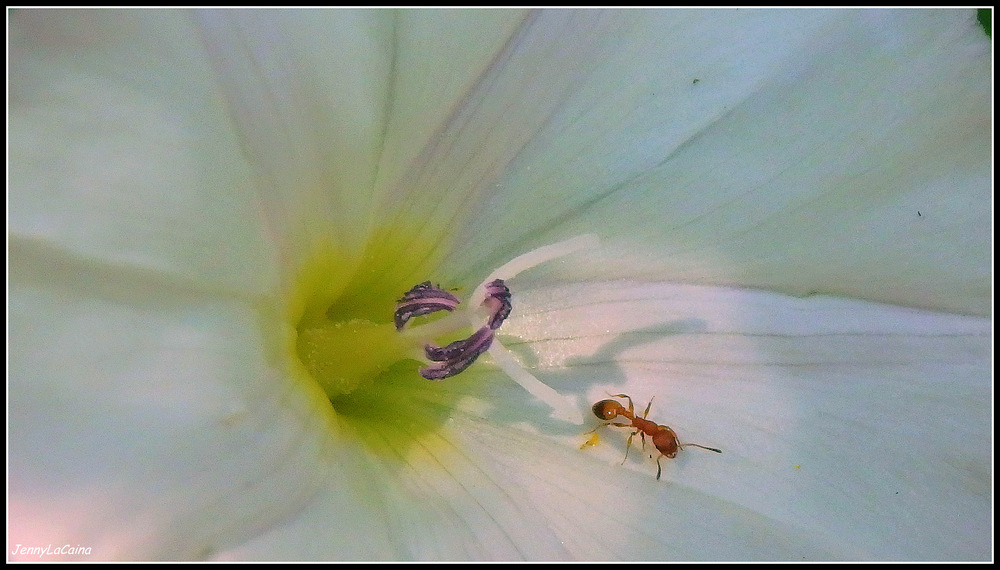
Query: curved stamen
494	295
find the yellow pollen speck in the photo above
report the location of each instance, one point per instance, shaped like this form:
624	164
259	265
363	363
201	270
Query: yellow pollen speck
592	441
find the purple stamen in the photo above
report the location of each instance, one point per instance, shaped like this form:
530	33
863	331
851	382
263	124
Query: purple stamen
452	359
457	356
423	299
498	301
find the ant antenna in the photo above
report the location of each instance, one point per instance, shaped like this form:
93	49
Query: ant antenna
703	447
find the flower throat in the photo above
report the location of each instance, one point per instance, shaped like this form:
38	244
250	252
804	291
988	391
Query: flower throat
344	353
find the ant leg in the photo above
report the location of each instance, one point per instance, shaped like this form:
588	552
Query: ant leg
628	444
658	470
630	409
647	407
608	424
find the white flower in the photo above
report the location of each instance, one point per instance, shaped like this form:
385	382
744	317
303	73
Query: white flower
193	195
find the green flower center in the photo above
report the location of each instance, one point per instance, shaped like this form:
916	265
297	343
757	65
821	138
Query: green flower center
338	342
340	335
341	312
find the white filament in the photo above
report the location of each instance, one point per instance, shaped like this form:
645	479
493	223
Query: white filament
535	257
543	254
562	407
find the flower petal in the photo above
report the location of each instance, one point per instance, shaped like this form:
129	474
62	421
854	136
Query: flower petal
333	107
120	148
308	91
441	55
841	152
145	422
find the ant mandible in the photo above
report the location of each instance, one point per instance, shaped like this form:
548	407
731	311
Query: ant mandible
662	437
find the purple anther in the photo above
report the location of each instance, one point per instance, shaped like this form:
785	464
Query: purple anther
442	353
498	301
457	356
423	299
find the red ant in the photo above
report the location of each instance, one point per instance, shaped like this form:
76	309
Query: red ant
662	437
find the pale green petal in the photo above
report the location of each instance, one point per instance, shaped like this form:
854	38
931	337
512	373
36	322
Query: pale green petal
308	91
841	152
441	56
335	106
120	148
144	420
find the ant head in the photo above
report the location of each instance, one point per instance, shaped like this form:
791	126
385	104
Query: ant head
607	409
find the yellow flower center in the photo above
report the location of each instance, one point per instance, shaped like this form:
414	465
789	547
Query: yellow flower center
340	341
341	309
